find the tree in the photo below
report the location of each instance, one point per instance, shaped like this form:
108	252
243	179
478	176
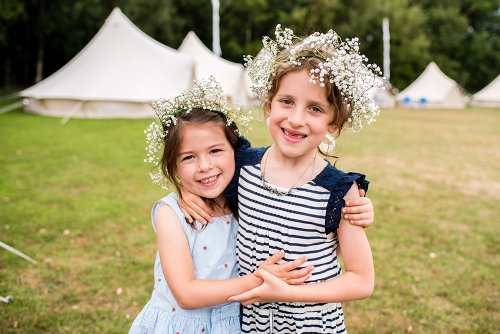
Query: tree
12	13
462	36
480	52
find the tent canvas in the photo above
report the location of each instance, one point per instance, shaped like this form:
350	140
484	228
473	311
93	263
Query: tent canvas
116	74
230	75
383	96
432	89
489	96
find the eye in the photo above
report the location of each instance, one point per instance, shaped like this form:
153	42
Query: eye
316	109
187	157
286	101
215	150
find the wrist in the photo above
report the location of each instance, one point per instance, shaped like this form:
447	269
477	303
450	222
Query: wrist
255	280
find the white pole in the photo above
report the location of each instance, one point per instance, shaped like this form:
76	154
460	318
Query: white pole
18	253
215	28
387	56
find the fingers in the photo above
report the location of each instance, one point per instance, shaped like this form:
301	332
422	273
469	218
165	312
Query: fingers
358	216
359	212
299	276
360	219
361	192
195	215
186	215
273	259
293	264
299	273
196	208
243	297
196	212
362	223
300	280
361	201
357	209
200	212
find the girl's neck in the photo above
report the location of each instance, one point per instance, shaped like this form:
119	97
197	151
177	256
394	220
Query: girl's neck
220	206
290	172
287	162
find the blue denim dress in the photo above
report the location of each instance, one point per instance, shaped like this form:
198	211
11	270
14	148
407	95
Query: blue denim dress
214	257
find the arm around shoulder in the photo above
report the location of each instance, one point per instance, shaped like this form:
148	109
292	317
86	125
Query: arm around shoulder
356	253
356	282
178	268
358	279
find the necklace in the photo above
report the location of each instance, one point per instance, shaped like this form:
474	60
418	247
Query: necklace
266	185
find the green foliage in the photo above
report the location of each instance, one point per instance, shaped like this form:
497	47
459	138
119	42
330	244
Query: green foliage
11	11
462	37
77	198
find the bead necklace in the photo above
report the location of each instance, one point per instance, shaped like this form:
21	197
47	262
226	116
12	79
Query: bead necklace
266	185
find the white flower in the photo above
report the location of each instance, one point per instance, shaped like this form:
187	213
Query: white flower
207	94
346	69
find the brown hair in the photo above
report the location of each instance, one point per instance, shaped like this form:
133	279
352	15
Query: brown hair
310	60
175	133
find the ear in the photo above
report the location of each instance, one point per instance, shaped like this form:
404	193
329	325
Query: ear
332	128
267	109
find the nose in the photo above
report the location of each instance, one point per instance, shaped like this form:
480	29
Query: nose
296	117
205	163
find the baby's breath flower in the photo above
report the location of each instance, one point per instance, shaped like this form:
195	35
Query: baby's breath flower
208	95
345	67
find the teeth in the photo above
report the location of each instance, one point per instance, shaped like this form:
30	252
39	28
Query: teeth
210	179
297	136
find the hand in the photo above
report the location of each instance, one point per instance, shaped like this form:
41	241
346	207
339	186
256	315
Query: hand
287	271
272	289
192	206
359	211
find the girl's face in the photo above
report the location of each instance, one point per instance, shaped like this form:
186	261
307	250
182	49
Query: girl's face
299	115
205	163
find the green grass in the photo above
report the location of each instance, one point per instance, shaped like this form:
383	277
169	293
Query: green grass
77	198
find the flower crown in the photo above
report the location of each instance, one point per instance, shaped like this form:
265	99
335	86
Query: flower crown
343	66
208	95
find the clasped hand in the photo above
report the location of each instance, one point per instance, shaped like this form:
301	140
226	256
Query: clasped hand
275	279
272	289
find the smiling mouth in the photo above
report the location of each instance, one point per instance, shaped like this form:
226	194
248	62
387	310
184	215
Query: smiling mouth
209	179
293	135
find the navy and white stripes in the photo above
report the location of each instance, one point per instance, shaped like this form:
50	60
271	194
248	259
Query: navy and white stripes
296	224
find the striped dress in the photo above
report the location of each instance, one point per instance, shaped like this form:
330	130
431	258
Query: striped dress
297	223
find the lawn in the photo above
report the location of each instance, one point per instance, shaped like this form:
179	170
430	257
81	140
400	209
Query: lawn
77	198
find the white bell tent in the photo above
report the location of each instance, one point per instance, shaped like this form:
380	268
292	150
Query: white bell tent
230	75
116	74
432	89
383	96
489	96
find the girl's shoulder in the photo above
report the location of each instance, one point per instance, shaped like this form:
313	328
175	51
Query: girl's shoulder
245	154
334	179
170	200
338	184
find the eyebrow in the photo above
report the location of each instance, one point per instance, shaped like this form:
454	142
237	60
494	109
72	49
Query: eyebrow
209	148
309	101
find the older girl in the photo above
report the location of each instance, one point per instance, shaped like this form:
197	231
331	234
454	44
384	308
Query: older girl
290	198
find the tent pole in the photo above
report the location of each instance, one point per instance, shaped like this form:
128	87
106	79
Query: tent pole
71	112
18	253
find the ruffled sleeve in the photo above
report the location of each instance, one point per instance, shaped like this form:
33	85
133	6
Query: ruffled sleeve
338	183
231	191
171	200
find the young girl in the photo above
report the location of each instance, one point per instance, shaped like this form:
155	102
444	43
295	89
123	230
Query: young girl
290	198
196	265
